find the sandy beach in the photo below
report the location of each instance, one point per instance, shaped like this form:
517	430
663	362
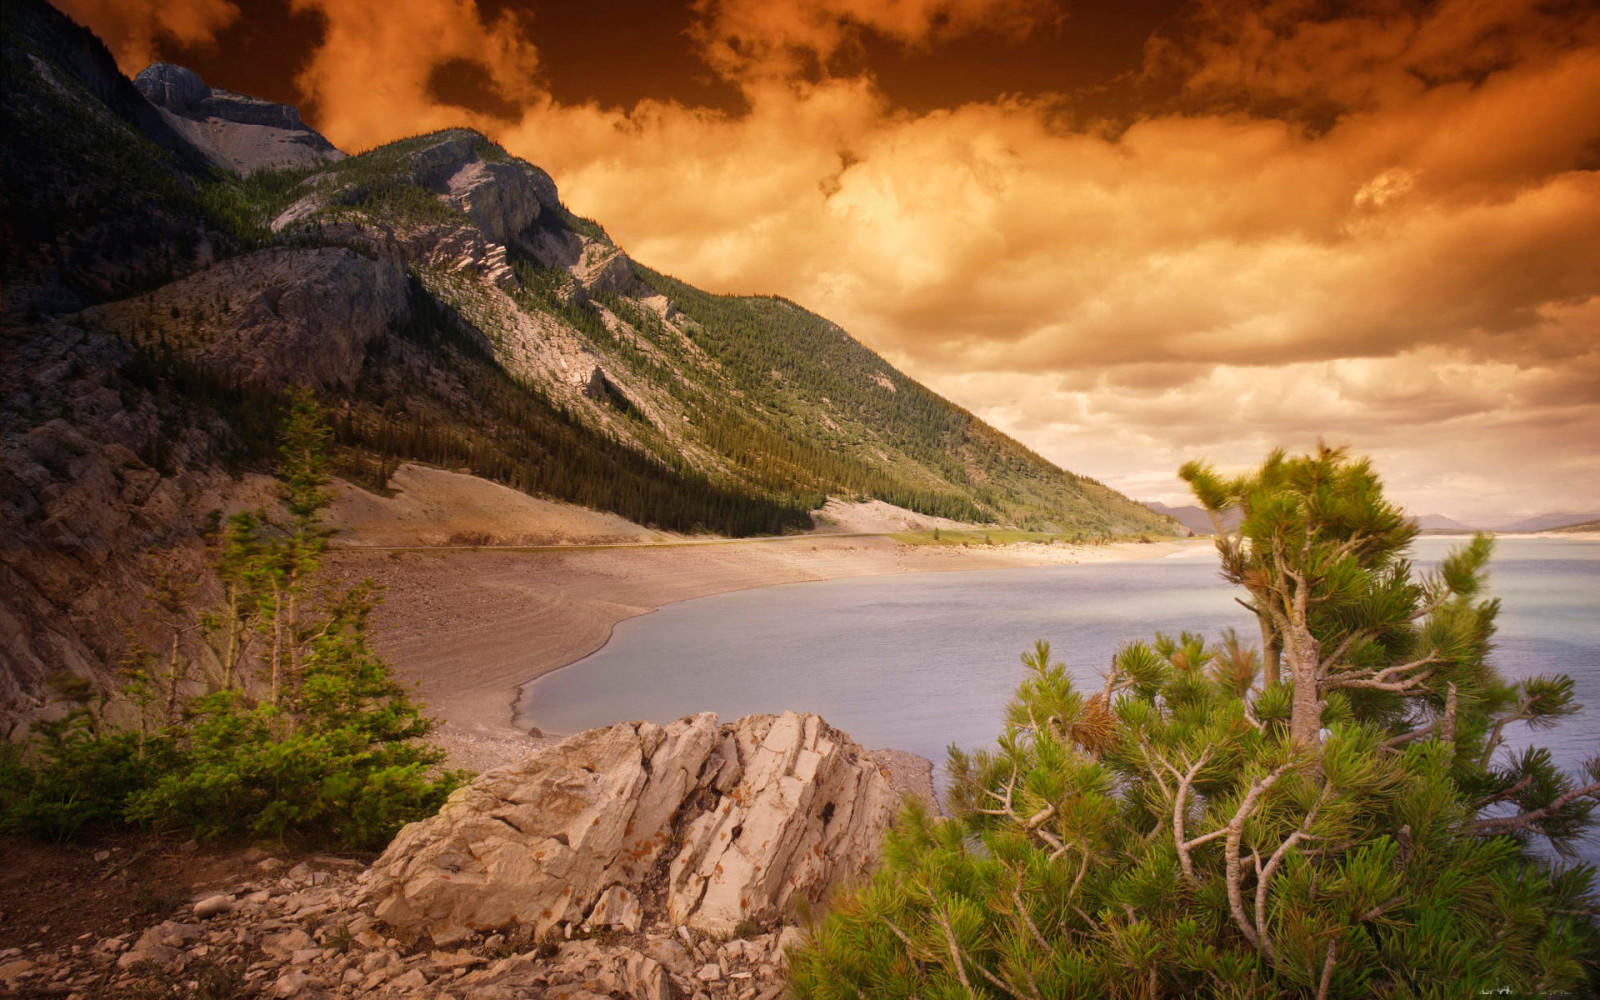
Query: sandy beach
469	625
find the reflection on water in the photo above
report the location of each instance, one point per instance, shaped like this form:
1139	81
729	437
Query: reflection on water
922	661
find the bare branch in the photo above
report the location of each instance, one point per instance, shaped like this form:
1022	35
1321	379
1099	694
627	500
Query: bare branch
1180	809
955	951
1264	878
1231	857
1327	972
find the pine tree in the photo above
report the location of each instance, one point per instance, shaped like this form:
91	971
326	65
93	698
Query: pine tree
1185	831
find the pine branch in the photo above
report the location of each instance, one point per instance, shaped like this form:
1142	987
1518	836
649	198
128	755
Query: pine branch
1231	857
1180	814
1528	820
1265	874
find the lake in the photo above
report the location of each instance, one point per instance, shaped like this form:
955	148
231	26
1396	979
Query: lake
923	660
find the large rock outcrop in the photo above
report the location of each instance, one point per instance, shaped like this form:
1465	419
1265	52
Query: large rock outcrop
712	824
234	131
275	317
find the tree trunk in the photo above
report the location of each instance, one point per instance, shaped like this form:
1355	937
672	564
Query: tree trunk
1304	652
172	680
1271	652
277	638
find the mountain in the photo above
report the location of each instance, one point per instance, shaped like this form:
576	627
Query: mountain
171	268
1549	522
1194	518
1439	522
1581	526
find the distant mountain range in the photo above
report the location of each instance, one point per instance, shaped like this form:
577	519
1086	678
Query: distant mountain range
1194	518
1199	522
1540	522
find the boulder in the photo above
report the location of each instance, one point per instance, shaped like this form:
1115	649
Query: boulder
175	88
743	820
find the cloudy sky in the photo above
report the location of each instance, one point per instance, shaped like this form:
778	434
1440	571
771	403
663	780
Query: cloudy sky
1128	233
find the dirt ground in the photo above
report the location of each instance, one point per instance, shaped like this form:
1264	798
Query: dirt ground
54	897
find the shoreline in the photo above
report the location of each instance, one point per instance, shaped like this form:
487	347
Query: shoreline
470	627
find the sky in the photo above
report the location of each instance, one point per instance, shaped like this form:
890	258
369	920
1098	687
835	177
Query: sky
1127	233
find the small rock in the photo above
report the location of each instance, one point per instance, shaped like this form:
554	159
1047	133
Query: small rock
410	981
290	983
286	943
442	961
617	907
788	939
213	905
15	970
711	972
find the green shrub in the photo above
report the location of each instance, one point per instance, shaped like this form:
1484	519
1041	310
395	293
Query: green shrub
328	746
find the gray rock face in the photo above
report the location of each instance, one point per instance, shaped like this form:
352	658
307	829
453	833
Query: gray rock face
172	87
236	132
502	198
275	317
745	819
80	509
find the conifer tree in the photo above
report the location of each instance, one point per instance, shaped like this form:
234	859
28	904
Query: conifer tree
1197	828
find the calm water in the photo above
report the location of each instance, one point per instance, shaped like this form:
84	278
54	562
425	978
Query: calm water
920	661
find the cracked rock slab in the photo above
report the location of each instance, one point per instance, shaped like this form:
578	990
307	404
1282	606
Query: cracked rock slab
746	819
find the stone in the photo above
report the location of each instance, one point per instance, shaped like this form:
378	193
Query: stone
807	811
15	969
291	983
617	907
771	811
711	972
213	905
413	980
789	939
535	843
286	943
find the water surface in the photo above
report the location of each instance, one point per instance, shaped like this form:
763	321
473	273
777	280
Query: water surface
921	661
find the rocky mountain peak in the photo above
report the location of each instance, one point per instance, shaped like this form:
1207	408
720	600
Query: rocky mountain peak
236	132
501	195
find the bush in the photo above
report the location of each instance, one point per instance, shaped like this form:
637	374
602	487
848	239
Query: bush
327	747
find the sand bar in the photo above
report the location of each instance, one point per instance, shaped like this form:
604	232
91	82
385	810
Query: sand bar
470	625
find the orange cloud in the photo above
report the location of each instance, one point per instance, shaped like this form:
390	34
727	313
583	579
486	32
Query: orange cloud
370	77
1378	228
741	39
130	27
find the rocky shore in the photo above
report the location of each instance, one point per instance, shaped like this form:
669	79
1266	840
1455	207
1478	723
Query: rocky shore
641	861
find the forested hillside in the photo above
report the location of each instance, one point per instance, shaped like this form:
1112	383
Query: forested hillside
441	296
